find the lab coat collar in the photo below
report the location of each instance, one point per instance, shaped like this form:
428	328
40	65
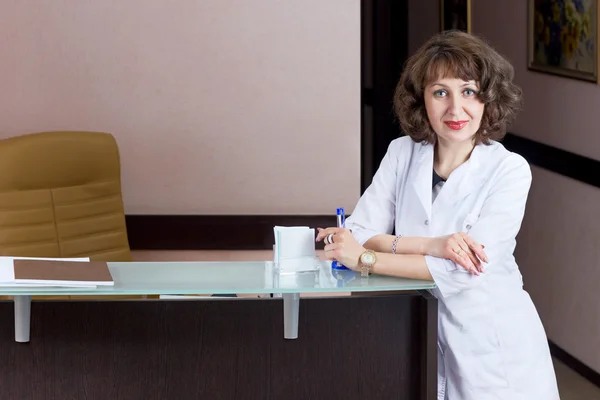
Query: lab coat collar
461	183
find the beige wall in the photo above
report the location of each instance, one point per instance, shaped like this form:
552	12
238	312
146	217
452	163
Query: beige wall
219	107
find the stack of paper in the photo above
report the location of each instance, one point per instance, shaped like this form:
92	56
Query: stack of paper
53	272
295	249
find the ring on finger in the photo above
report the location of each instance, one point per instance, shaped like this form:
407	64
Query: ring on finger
329	239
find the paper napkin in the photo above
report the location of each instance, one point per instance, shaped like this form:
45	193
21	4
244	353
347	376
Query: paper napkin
295	248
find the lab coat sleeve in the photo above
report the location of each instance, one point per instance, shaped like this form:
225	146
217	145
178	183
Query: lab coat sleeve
496	228
374	213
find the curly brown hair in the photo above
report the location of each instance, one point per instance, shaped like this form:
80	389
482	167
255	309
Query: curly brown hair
460	55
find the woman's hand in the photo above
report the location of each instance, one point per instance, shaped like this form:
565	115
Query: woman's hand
344	248
459	248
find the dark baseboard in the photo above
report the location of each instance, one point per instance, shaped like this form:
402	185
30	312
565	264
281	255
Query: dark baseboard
214	232
583	169
575	364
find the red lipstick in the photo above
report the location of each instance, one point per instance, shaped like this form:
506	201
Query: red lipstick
456	125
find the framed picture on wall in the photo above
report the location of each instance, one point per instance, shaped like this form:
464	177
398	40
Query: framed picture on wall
455	14
563	38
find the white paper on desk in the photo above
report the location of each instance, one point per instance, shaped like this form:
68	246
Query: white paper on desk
21	285
294	242
7	268
295	249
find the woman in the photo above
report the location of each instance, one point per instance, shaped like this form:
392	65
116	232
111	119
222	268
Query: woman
455	198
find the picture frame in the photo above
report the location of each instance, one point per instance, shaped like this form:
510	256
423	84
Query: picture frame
563	38
455	14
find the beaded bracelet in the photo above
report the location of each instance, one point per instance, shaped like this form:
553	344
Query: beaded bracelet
394	243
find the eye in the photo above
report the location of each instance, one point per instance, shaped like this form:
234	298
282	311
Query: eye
469	92
440	93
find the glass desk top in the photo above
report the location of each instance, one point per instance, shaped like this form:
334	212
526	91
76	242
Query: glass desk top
155	278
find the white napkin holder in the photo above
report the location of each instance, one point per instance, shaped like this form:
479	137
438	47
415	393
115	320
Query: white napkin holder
294	249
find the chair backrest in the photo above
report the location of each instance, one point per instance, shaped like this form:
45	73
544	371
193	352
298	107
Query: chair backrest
60	196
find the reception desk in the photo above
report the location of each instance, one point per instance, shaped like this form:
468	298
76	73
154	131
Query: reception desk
379	343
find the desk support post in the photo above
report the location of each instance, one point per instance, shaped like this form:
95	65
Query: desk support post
291	309
22	318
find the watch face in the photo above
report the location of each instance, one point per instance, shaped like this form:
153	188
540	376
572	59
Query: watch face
368	258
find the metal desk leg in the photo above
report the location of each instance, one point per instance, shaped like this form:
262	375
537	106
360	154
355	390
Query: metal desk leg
291	308
22	318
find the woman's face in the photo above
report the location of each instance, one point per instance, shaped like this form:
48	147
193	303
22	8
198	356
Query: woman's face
453	109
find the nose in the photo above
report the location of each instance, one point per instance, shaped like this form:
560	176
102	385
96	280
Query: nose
455	105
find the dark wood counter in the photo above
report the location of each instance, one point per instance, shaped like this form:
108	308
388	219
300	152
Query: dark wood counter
355	347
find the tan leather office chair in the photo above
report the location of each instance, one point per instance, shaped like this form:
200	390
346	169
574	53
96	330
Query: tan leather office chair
60	196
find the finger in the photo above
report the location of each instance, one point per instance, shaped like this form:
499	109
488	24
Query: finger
475	260
476	247
331	247
329	239
327	231
456	241
459	259
470	241
481	254
473	249
322	233
467	251
465	262
329	255
332	251
465	258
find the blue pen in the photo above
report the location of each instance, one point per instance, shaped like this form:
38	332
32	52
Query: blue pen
341	223
341	217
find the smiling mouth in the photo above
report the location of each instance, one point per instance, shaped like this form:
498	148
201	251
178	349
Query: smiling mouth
456	125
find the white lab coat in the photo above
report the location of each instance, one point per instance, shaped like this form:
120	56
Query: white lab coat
491	342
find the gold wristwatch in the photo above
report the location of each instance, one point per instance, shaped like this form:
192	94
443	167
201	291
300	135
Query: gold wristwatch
366	261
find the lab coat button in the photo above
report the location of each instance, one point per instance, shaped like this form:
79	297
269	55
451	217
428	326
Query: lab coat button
468	226
426	222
